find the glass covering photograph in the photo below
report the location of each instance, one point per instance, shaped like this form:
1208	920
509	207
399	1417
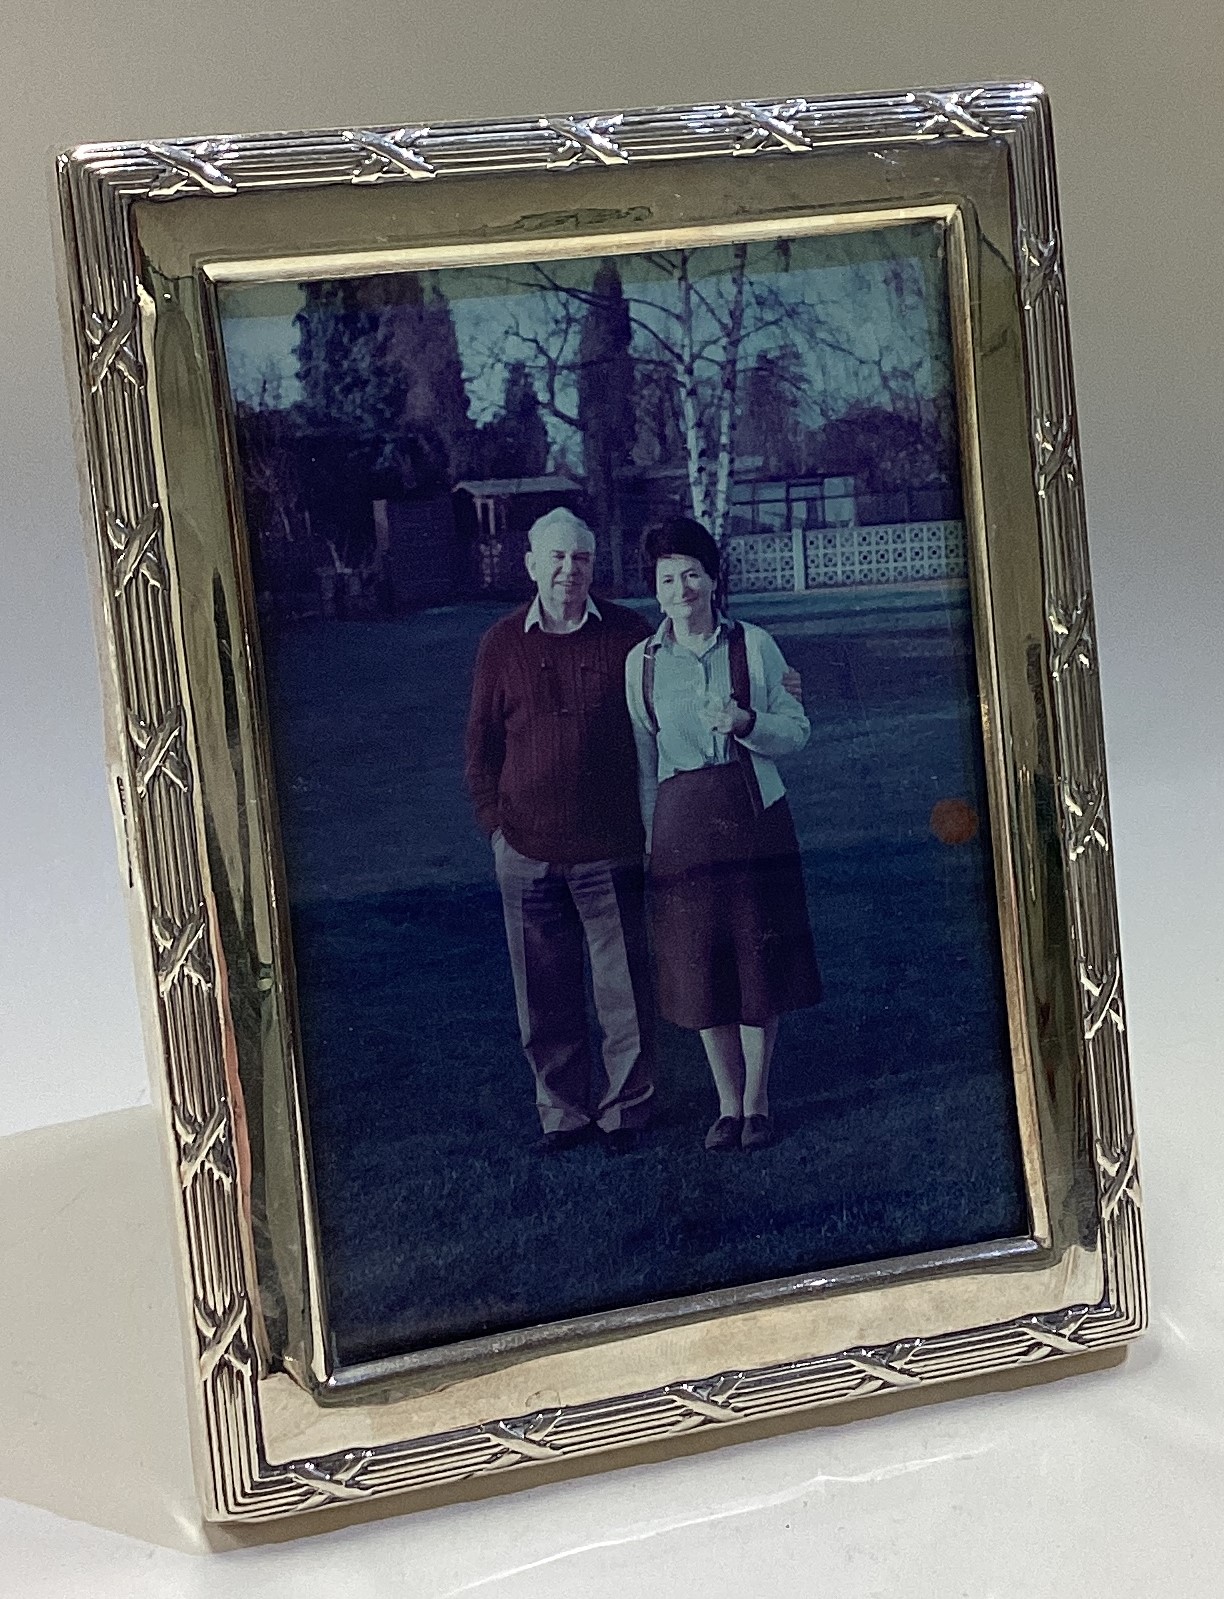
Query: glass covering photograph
626	737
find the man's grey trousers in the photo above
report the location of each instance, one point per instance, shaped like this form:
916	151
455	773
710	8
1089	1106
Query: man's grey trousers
552	911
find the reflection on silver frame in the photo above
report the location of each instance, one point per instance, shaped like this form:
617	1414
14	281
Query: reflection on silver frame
151	229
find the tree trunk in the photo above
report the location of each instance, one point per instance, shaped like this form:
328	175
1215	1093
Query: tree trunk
616	540
694	440
730	387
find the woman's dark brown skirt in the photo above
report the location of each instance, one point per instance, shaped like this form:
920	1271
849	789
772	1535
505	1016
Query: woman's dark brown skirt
729	913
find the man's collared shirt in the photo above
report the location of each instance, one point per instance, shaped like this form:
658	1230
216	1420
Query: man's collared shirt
535	615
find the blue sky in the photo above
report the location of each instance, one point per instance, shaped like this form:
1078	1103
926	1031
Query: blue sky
855	307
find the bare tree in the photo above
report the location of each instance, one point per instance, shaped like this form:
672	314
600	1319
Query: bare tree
697	334
702	320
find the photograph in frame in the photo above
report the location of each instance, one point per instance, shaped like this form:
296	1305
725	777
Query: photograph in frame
410	446
607	746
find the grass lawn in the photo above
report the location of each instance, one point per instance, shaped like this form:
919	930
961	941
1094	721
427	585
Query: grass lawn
893	1096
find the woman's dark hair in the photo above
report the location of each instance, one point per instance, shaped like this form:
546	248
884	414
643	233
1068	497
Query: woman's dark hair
680	535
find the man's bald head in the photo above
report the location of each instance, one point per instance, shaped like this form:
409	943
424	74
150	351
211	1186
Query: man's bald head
563	525
561	561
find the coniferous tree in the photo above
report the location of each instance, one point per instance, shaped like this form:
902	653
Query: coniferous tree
448	395
606	416
419	348
515	444
349	450
346	387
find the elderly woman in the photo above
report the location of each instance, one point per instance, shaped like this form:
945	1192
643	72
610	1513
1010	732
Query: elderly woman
733	946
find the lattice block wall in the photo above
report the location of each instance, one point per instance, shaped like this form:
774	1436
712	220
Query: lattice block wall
761	563
764	563
897	553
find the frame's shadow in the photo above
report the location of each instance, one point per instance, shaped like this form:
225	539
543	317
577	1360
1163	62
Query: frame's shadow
92	1388
93	1398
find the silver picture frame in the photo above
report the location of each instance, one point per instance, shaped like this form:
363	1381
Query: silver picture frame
153	230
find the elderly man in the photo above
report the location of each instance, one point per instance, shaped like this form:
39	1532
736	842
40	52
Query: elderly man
551	768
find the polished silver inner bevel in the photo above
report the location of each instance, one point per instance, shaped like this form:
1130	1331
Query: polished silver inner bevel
765	202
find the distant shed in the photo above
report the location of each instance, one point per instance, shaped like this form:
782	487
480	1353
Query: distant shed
493	516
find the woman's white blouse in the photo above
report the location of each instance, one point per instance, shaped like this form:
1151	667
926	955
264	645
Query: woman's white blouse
681	680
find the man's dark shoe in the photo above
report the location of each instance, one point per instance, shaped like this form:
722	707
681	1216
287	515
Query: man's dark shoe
724	1135
623	1140
568	1138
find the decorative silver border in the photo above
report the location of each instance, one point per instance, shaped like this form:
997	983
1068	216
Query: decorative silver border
99	185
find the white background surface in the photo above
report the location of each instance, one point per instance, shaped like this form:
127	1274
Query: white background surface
1102	1484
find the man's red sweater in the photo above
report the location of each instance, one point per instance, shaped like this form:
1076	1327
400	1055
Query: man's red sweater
550	752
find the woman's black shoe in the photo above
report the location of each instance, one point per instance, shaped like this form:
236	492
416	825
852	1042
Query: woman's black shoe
569	1138
758	1132
724	1135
